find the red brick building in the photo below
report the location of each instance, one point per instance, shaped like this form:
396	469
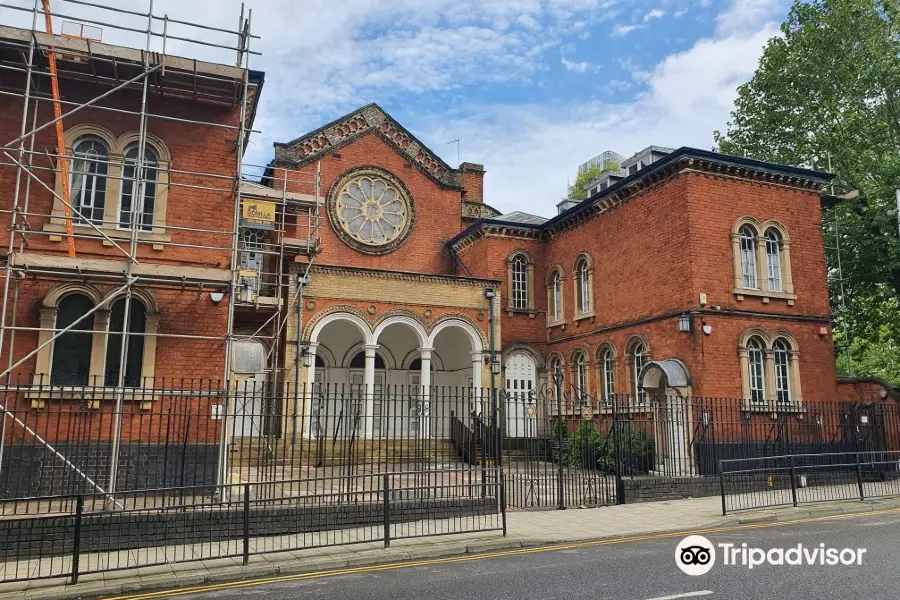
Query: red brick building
698	274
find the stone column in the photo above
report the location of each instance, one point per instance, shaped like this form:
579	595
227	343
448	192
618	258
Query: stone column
744	359
306	401
424	408
369	389
771	389
794	374
477	383
98	347
762	265
736	251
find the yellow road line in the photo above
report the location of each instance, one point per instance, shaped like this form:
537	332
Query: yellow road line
468	557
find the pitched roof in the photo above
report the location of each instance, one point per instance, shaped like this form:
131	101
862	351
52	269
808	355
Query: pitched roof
521	217
340	132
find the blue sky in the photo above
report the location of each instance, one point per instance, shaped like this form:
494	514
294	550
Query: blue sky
532	88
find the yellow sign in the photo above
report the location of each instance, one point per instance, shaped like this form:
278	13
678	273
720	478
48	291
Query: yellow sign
258	214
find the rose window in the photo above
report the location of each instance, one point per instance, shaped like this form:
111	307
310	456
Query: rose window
372	211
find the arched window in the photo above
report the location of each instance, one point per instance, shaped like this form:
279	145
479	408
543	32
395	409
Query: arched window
773	260
608	375
780	351
638	360
556	367
134	351
748	256
132	200
581	382
87	181
756	370
520	282
71	361
557	296
582	286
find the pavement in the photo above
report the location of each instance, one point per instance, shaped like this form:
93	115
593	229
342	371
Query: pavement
525	529
632	569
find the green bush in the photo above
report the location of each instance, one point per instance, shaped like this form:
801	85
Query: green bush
584	445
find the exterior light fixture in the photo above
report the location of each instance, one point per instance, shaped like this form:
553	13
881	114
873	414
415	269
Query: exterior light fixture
495	366
216	297
490	293
685	323
307	356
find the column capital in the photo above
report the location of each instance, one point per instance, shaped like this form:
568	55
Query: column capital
425	353
370	349
477	355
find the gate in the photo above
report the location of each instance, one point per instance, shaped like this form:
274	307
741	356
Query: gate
564	453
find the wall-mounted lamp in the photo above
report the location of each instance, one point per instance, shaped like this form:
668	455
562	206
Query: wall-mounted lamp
707	329
307	356
216	297
495	367
685	323
490	293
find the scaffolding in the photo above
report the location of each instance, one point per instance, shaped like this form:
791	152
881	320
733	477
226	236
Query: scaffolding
138	84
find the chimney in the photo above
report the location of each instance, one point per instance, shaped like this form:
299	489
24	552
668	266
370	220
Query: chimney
472	176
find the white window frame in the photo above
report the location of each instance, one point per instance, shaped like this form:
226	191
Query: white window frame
149	166
520	282
83	184
584	298
756	370
609	376
749	276
557	296
782	361
638	359
773	260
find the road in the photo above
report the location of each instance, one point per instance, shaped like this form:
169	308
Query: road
633	570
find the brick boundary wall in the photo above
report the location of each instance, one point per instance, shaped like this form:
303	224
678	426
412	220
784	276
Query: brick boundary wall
29	471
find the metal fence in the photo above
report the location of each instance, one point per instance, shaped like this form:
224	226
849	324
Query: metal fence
66	536
751	483
204	468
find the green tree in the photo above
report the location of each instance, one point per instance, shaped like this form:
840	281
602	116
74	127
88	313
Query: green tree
576	190
827	90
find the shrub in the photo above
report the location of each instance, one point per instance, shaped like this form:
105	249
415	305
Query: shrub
584	445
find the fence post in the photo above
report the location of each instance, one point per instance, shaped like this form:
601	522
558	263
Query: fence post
617	453
503	500
76	544
387	510
722	486
793	480
561	504
246	523
859	484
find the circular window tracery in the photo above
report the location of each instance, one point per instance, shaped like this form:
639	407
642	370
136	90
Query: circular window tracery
371	210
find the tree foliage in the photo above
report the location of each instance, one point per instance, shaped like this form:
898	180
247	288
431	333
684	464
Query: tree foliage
827	91
576	190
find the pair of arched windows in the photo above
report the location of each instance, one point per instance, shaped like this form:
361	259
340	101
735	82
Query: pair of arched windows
762	258
583	280
73	351
88	184
770	369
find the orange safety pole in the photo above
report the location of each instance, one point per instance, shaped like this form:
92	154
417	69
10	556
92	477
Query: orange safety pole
60	138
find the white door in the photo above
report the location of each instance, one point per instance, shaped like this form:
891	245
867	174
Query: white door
521	412
358	404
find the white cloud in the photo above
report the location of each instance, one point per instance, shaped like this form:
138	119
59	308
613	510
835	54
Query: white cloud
656	13
746	14
623	30
582	66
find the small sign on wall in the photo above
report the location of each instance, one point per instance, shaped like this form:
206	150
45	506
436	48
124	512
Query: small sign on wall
258	214
218	410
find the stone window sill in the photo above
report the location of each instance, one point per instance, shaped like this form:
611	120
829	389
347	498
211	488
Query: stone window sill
151	237
587	315
39	395
767	296
773	407
561	324
531	312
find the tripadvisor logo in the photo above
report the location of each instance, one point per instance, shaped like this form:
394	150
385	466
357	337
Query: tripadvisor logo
696	555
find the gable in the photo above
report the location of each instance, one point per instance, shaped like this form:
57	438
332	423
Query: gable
371	118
